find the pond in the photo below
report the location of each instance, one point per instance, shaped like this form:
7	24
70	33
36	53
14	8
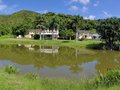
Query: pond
58	62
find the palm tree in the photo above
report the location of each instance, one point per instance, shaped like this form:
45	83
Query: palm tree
40	23
76	23
54	24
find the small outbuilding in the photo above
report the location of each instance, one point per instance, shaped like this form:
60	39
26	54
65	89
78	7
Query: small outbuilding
84	34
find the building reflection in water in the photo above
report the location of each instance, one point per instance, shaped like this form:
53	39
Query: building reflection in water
30	47
43	49
52	49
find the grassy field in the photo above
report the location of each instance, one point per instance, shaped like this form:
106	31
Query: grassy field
73	43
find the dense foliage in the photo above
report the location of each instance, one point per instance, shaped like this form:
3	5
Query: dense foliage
109	30
20	22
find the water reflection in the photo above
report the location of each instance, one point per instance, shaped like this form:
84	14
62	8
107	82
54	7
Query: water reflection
52	49
42	49
54	61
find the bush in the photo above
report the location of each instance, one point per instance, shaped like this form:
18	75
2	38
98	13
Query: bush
36	36
31	76
10	69
112	77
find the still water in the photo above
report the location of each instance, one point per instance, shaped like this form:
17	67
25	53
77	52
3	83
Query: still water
58	62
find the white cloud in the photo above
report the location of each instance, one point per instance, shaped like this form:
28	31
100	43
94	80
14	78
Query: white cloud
84	9
85	2
106	14
74	8
91	17
96	3
43	12
3	7
7	9
10	9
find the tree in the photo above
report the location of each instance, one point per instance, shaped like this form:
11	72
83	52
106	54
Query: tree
70	33
40	22
4	29
67	33
54	23
19	30
109	30
76	24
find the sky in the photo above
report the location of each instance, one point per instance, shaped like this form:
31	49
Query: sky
89	9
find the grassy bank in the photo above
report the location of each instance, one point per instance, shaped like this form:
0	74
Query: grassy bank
10	81
32	82
73	43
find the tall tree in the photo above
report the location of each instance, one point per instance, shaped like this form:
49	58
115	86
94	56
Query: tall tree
40	22
54	23
76	24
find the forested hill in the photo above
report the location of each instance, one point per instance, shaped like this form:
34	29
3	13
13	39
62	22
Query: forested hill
17	17
19	22
8	22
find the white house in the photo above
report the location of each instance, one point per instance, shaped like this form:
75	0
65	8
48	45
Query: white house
53	33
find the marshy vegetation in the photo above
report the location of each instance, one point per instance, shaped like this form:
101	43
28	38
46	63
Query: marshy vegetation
9	80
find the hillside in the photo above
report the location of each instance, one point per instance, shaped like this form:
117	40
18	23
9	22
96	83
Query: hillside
18	17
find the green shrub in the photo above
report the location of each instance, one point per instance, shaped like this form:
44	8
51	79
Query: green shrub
31	76
36	36
112	77
11	69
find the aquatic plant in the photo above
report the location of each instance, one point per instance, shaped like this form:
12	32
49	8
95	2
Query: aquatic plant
11	69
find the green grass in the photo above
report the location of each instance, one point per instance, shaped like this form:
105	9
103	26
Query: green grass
73	43
14	82
21	82
116	87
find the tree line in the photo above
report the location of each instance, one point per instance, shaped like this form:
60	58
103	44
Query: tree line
20	22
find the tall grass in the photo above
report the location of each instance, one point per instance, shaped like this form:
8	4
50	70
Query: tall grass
108	81
13	82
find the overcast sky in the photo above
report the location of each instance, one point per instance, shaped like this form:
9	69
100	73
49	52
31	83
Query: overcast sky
92	9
